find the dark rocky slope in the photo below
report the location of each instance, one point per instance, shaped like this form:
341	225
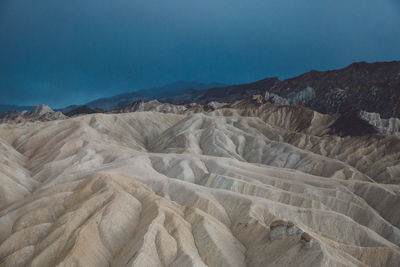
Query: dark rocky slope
373	87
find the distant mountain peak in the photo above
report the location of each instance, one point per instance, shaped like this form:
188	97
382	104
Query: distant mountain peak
39	110
39	113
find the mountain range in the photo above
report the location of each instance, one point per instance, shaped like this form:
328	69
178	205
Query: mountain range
165	91
372	87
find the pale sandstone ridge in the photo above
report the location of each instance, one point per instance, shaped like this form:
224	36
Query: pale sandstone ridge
244	184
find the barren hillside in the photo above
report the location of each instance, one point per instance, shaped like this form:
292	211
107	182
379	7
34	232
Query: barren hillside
244	185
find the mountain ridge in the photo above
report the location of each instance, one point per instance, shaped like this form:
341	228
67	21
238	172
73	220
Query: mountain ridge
372	87
121	100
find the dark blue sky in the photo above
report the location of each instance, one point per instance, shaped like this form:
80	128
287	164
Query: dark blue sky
62	52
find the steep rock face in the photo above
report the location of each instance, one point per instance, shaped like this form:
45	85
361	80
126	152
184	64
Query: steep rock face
275	99
384	126
373	87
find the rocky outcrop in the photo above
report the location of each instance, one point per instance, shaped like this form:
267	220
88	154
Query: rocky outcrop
292	229
38	113
213	105
383	126
280	229
277	230
275	99
306	240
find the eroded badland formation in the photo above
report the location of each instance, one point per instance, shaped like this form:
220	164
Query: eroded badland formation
255	182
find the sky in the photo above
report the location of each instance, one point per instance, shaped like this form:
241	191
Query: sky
61	52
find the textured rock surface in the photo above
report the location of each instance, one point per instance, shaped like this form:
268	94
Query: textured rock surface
307	240
373	87
384	126
277	230
275	99
292	229
197	189
38	113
